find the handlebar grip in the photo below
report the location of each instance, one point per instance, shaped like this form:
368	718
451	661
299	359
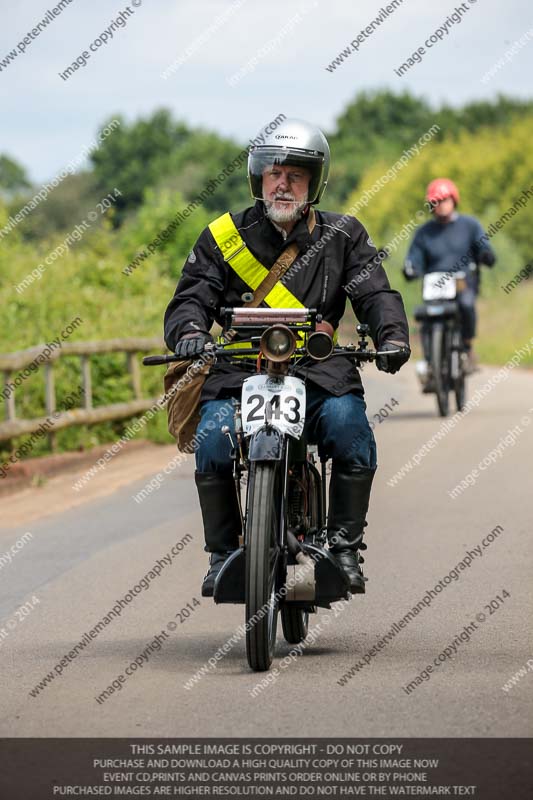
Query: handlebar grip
152	361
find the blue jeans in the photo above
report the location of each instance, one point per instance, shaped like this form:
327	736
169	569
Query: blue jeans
337	424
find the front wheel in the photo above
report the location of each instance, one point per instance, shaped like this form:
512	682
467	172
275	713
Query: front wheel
262	556
441	368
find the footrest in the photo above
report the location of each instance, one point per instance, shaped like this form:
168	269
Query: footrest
229	585
331	582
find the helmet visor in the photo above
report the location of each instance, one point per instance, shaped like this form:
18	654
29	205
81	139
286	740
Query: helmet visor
263	159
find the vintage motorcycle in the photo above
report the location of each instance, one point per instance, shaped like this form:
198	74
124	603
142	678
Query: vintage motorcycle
443	370
283	566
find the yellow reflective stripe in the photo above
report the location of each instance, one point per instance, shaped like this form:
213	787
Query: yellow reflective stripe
280	297
246	265
221	340
251	271
232	345
235	252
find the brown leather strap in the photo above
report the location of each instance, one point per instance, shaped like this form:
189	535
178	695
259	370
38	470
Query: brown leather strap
275	274
279	268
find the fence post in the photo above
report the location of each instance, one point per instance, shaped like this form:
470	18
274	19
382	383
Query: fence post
50	400
86	381
10	398
133	369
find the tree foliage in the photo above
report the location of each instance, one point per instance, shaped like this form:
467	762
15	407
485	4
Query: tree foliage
491	167
13	177
136	156
380	125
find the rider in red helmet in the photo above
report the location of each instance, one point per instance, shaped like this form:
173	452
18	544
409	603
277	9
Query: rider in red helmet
440	189
450	242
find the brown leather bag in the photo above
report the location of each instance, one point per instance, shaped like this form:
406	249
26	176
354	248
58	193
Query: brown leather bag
183	383
184	380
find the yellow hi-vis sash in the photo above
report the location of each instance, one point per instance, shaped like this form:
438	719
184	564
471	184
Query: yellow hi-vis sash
246	265
249	269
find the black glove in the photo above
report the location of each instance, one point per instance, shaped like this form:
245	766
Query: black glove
395	361
193	345
408	272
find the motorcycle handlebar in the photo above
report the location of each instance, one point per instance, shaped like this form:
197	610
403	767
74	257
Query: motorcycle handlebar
156	361
360	355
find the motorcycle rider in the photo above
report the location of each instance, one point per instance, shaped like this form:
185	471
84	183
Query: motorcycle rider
448	243
287	175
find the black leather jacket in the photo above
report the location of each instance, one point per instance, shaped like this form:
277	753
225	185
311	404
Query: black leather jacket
341	262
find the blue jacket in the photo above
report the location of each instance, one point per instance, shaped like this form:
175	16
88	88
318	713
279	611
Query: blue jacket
457	246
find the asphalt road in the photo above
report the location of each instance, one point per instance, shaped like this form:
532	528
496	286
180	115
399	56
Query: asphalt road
85	555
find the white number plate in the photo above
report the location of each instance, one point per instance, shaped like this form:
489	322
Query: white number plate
439	286
284	397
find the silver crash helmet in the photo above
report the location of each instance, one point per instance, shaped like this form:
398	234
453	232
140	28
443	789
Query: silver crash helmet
293	143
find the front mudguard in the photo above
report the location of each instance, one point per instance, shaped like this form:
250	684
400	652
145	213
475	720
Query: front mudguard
267	444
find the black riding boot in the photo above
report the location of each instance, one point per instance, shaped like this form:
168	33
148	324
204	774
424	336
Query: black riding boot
222	521
349	495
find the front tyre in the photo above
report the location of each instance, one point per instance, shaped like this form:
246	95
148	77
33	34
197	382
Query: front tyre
262	555
440	366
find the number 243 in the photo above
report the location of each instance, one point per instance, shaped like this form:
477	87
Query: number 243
292	417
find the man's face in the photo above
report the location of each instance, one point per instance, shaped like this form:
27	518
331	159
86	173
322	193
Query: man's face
285	192
444	208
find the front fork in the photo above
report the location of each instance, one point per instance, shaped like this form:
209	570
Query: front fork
455	351
452	334
267	444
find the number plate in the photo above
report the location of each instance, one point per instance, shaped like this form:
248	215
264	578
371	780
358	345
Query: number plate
439	286
284	397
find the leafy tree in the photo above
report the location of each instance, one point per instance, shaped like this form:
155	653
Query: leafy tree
65	207
13	177
376	125
136	157
379	125
157	213
482	114
202	159
491	167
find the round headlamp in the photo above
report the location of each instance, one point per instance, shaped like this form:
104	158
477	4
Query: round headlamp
278	343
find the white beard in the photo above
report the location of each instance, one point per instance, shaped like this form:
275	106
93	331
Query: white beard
289	214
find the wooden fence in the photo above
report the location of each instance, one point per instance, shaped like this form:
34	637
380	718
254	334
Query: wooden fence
12	364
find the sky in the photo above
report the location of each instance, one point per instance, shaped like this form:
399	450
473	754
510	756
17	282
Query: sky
47	121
